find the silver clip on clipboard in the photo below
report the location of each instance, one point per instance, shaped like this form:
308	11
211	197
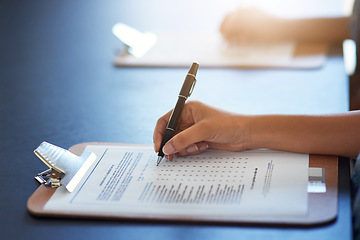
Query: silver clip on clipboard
136	43
64	167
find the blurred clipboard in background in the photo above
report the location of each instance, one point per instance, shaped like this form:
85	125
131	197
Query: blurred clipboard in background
177	49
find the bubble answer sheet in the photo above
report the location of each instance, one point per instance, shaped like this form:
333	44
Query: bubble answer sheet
124	180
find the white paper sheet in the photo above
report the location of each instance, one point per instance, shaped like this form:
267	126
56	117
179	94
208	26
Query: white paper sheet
126	180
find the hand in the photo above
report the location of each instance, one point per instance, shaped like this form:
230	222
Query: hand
248	24
201	127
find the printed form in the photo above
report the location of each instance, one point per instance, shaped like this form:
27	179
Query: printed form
125	179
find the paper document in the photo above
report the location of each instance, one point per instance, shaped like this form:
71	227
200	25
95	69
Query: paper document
125	179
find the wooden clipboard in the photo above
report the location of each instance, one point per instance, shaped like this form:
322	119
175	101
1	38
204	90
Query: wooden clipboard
322	207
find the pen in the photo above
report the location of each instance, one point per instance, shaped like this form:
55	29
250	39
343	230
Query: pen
185	92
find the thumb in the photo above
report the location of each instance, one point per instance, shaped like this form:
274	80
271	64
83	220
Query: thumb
195	133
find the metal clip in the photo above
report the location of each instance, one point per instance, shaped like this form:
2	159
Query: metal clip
192	87
64	167
50	177
136	43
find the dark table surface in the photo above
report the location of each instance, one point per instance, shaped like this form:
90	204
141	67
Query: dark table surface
58	84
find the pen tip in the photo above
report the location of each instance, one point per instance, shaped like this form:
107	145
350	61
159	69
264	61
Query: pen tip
158	160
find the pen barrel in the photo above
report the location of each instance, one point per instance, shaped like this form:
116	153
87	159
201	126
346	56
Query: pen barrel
185	92
171	127
176	114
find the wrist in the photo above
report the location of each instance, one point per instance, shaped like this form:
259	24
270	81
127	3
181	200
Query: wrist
240	129
259	132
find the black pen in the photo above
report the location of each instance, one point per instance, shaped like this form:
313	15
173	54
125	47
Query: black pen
185	92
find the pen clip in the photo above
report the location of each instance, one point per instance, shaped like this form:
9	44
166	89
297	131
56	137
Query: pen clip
192	87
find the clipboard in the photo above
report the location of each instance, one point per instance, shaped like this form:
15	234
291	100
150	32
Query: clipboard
177	49
322	207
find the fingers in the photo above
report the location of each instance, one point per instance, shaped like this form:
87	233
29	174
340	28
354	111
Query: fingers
192	132
186	119
194	149
226	28
188	141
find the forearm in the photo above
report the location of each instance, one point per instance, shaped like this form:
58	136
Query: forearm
331	134
318	30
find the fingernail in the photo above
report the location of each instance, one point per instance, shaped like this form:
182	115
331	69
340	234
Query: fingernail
192	149
168	149
204	147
